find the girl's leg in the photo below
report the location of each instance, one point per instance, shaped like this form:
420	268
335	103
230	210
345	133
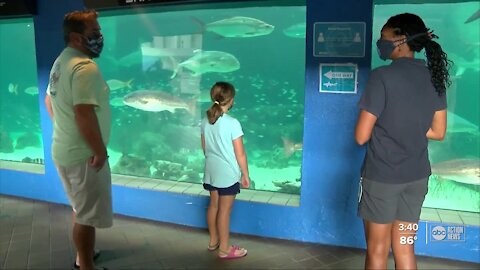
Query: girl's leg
212	218
378	244
223	220
403	244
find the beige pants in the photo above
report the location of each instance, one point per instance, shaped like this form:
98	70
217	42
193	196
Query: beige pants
89	193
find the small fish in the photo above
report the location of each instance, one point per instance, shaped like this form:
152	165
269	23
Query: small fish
290	147
209	61
466	171
157	101
296	31
475	16
32	90
13	88
238	27
117	84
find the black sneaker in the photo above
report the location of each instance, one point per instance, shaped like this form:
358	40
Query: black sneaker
96	254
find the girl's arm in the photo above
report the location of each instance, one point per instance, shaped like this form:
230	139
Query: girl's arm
203	144
242	160
439	126
365	123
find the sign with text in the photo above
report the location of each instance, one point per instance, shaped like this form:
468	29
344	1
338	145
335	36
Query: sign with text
339	39
338	78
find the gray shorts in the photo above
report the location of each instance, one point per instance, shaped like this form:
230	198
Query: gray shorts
384	203
89	193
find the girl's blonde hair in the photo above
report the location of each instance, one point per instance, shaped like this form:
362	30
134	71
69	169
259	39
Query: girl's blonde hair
221	94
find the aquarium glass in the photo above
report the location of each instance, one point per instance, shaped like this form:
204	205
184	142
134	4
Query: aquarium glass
20	134
160	66
455	180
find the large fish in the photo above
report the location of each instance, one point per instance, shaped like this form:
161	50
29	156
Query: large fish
296	31
209	61
475	16
466	171
239	27
462	64
157	101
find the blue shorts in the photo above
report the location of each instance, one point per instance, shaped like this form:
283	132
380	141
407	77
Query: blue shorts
231	190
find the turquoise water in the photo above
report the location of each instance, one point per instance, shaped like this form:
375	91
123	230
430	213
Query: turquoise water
20	135
142	51
455	180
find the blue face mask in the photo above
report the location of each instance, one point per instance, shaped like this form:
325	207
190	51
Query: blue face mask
94	45
385	47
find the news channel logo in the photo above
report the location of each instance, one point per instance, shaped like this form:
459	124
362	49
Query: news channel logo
441	232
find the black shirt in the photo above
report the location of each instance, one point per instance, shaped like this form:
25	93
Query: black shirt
404	100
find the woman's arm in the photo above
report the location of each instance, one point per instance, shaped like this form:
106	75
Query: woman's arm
365	123
439	126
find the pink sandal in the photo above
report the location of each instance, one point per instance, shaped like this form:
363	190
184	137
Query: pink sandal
234	253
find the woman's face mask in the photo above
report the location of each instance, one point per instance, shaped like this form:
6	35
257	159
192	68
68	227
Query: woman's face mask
385	48
94	44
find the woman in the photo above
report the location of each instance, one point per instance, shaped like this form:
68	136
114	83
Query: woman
403	105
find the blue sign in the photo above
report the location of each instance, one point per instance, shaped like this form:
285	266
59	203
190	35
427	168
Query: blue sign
338	78
339	39
439	232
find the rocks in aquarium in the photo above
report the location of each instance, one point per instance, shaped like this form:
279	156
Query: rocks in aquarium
287	186
132	165
33	160
27	139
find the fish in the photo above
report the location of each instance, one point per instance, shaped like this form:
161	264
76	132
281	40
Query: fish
13	88
117	84
238	27
475	16
466	171
32	90
296	31
290	147
209	61
157	101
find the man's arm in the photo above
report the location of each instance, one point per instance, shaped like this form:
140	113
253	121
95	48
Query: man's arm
48	104
88	126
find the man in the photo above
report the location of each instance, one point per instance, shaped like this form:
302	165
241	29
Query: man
77	101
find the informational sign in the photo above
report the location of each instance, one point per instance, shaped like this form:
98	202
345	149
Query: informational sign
339	39
338	78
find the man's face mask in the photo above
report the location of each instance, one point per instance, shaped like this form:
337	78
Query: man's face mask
94	44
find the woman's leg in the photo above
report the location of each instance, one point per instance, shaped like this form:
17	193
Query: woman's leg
378	244
225	203
403	234
212	218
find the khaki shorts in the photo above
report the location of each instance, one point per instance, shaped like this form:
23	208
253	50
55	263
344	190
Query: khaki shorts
89	193
384	203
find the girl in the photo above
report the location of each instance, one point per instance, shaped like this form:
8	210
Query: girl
225	165
403	106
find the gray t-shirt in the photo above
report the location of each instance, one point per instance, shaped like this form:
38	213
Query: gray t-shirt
404	100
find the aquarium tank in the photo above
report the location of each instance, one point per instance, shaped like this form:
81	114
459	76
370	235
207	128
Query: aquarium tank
20	133
455	180
160	65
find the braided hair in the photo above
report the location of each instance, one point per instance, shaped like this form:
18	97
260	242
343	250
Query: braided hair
410	24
